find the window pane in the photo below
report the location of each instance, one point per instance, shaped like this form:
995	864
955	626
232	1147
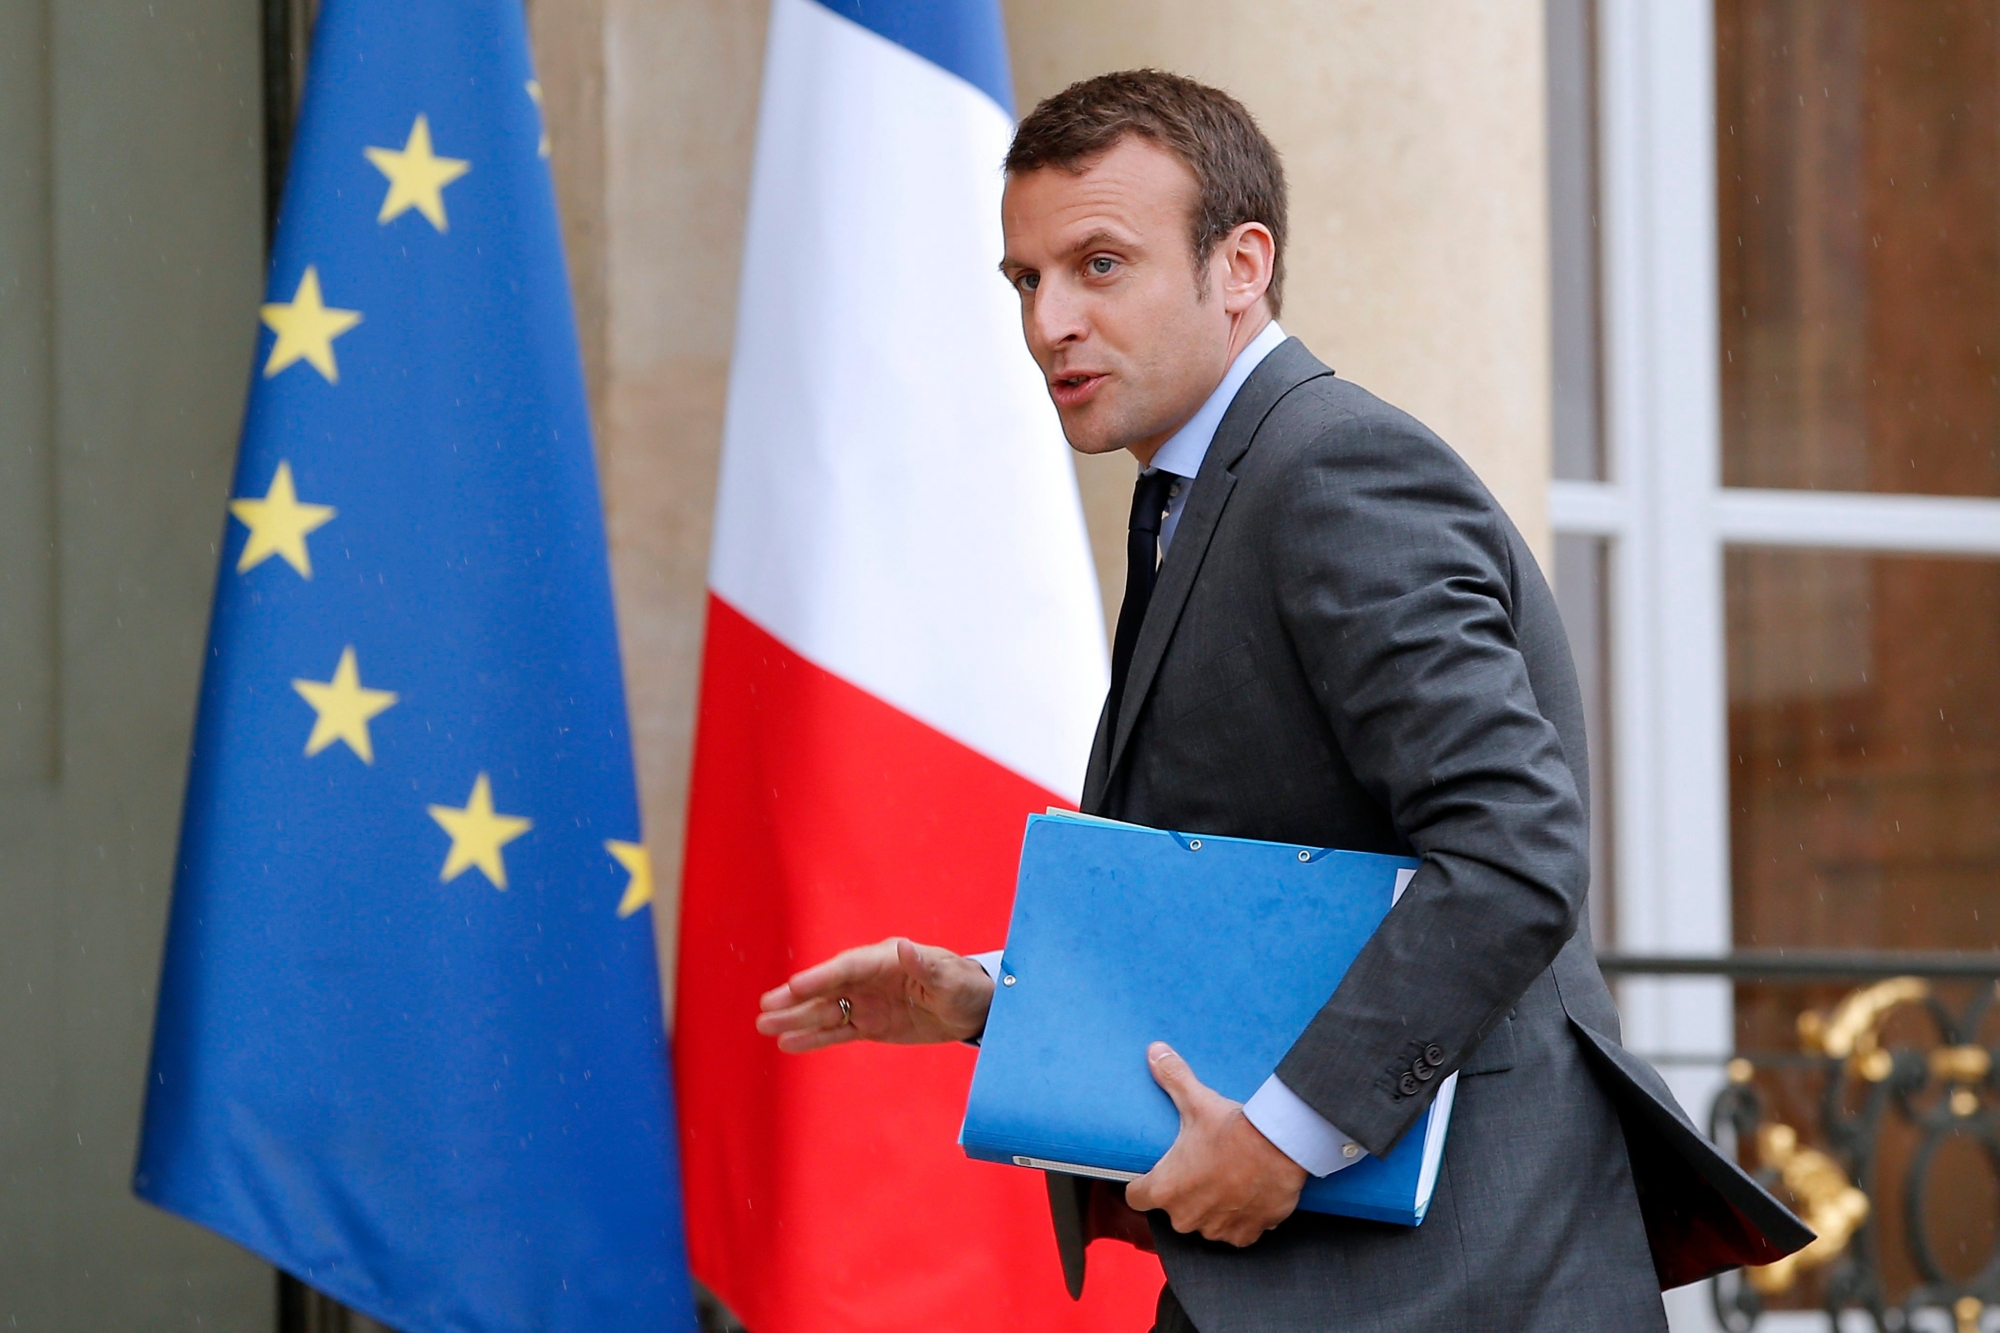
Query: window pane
1576	414
1864	730
1582	579
1859	198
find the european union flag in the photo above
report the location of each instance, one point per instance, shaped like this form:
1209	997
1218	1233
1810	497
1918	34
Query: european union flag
409	1044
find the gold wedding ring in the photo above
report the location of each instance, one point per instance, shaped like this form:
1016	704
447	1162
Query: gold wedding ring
846	1012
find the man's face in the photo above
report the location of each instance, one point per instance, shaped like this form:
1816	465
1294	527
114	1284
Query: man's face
1128	332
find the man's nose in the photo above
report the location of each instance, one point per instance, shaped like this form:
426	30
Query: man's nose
1057	315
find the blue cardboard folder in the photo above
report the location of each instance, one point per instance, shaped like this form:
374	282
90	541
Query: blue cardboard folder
1224	948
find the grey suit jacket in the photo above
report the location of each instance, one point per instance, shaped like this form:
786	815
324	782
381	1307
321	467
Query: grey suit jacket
1350	646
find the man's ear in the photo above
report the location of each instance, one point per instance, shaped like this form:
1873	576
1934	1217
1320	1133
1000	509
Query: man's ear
1248	255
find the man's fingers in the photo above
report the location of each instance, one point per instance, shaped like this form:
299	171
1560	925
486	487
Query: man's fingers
836	974
911	959
807	1017
797	1043
1140	1194
809	1026
1173	1075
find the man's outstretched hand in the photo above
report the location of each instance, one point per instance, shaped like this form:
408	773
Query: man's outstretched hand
896	991
1222	1177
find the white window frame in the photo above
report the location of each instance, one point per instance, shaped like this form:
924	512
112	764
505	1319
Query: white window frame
1667	519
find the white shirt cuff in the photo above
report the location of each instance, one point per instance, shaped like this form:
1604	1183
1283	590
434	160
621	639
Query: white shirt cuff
1298	1131
990	961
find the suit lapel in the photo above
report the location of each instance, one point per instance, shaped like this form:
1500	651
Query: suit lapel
1287	367
1097	772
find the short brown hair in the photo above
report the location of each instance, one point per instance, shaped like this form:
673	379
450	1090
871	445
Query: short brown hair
1236	168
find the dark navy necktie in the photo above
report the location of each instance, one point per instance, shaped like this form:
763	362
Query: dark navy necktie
1142	571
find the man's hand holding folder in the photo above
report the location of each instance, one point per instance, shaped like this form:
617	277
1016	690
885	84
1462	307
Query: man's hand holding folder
1222	1177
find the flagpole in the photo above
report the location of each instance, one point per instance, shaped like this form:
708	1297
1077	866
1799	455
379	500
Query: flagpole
287	37
303	1310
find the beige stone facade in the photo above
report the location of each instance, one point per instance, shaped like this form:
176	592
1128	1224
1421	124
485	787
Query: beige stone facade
1415	141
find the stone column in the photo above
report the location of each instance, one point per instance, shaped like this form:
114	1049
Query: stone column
682	81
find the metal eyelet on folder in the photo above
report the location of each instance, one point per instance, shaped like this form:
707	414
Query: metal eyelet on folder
1305	855
1194	844
1007	980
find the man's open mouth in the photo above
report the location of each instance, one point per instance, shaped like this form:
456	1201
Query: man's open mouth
1074	390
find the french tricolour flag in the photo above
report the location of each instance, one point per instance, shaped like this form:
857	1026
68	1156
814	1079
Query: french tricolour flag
905	657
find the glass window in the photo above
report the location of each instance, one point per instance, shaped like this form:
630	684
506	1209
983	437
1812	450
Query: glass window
1864	741
1858	155
1576	397
1581	580
1864	737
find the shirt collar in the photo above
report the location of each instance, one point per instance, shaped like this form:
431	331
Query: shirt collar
1186	447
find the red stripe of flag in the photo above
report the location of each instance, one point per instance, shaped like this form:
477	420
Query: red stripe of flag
827	1192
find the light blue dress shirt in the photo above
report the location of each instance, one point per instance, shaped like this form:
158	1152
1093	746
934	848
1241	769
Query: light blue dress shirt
1280	1114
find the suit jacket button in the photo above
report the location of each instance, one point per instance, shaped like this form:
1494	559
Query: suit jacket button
1424	1071
1434	1053
1407	1085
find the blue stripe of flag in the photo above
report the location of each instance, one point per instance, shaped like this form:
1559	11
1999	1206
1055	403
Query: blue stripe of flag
962	36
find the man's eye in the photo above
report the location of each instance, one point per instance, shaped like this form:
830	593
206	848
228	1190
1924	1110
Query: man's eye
1030	281
1102	265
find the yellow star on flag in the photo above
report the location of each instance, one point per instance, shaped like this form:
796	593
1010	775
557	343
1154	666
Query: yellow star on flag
306	327
417	176
639	862
534	87
278	525
344	706
478	834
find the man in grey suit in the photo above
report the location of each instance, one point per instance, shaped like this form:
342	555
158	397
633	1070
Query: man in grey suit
1331	635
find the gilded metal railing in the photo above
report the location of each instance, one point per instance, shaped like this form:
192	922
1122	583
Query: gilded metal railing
1863	1166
